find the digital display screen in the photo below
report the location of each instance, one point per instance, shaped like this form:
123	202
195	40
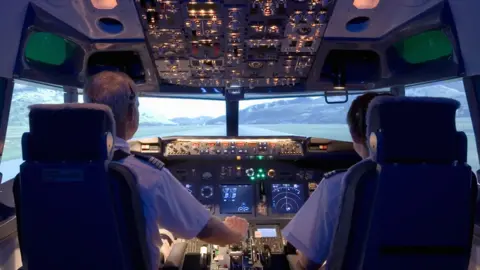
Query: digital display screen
236	199
265	232
189	187
287	198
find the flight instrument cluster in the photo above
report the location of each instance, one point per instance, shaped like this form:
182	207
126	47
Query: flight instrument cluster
258	177
253	200
235	148
238	43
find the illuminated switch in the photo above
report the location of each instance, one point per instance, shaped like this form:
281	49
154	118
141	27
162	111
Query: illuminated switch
366	4
110	4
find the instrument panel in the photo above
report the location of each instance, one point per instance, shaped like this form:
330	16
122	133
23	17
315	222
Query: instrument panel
235	148
239	43
270	189
259	178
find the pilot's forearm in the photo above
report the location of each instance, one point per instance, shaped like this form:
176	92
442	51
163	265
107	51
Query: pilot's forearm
305	263
215	232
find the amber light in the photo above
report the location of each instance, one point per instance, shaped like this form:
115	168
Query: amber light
366	4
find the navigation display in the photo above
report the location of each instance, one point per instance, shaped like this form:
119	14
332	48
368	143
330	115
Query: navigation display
236	199
287	198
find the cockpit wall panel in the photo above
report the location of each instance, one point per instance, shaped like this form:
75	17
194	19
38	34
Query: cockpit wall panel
379	22
12	15
54	51
465	16
79	15
85	18
190	47
367	45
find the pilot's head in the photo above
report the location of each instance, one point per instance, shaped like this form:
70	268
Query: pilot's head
357	122
118	91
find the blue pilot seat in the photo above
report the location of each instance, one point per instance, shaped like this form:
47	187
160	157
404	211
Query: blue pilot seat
76	209
411	205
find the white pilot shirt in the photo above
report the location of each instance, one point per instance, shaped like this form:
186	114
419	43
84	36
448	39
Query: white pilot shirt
312	229
166	204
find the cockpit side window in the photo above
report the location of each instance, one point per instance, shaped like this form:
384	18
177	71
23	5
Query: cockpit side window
24	95
452	89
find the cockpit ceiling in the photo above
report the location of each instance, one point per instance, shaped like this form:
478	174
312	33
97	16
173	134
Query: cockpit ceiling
262	46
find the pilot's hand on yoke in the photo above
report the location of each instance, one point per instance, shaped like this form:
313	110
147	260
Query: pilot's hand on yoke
238	225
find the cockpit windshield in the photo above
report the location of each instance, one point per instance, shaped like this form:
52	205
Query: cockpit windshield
302	116
185	117
161	117
181	117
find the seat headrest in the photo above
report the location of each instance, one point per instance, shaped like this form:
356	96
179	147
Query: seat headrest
414	130
69	132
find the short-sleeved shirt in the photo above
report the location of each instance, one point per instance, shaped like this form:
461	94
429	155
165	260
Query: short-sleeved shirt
312	229
166	203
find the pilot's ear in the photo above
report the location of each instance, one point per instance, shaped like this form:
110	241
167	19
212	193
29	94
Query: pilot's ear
131	112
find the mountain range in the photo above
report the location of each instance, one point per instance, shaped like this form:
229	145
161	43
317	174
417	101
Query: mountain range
286	111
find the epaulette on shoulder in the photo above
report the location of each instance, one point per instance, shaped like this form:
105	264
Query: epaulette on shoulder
151	160
332	173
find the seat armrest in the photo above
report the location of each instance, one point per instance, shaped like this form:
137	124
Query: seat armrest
174	260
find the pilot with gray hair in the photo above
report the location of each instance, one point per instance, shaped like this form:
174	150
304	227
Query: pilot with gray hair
166	202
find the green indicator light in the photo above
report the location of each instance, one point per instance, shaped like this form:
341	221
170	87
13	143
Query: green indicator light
260	170
260	157
263	175
252	178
